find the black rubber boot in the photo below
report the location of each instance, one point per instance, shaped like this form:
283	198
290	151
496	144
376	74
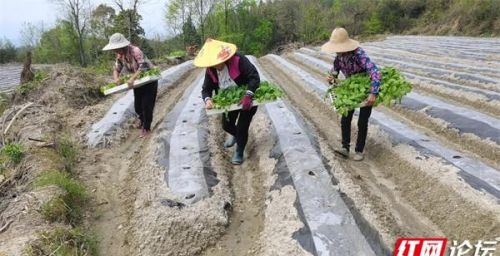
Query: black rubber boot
238	156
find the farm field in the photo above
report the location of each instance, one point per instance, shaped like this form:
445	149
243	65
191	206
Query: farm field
431	168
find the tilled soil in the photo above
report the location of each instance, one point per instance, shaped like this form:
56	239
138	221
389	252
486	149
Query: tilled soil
396	193
399	190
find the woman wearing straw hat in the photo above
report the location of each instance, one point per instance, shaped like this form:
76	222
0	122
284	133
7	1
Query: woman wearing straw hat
352	59
132	58
224	68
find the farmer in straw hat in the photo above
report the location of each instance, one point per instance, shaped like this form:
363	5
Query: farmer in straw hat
224	68
352	59
132	58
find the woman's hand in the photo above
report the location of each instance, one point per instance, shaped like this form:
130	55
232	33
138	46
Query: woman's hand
209	104
371	99
130	83
330	79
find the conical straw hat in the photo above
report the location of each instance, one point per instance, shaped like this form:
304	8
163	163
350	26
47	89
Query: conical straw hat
214	52
340	42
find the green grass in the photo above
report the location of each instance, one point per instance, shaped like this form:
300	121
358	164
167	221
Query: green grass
68	150
177	54
56	210
14	152
5	100
63	242
67	207
26	88
40	76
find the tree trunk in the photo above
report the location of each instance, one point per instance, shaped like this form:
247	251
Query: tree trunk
201	22
81	50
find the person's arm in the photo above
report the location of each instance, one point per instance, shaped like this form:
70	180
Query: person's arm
333	74
117	70
373	72
371	69
207	90
248	70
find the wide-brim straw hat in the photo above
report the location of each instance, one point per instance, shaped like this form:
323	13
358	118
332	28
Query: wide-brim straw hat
116	41
214	52
340	42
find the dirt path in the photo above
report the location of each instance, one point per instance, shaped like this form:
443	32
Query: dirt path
110	175
249	194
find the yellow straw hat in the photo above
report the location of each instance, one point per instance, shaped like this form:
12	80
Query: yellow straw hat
340	42
214	52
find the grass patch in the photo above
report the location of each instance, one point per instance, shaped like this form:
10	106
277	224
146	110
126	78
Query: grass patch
14	152
178	54
63	242
5	100
68	150
26	88
67	207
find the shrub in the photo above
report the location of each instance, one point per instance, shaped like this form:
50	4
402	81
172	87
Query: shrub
14	152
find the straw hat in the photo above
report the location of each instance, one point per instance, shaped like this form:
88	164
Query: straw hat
214	52
116	41
340	42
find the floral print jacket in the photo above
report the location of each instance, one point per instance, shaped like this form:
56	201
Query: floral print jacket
355	62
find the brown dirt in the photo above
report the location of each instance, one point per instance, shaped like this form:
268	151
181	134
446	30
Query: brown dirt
397	195
474	100
37	128
249	192
110	174
486	150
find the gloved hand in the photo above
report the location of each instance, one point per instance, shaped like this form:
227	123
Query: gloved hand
246	102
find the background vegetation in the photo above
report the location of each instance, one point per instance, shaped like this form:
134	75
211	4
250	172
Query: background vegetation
256	26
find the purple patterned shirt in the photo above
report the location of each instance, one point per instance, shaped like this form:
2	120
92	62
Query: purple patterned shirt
357	62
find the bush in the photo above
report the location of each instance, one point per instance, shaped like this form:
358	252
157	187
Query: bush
373	26
40	75
67	207
14	152
25	88
63	242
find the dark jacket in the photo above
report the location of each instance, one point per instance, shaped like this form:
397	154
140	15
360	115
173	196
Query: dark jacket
241	71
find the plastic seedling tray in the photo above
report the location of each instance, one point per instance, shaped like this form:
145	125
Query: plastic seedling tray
236	107
137	83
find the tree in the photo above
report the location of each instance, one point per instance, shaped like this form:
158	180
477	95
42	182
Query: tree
177	13
373	25
189	32
127	22
78	13
58	44
8	51
30	35
101	21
